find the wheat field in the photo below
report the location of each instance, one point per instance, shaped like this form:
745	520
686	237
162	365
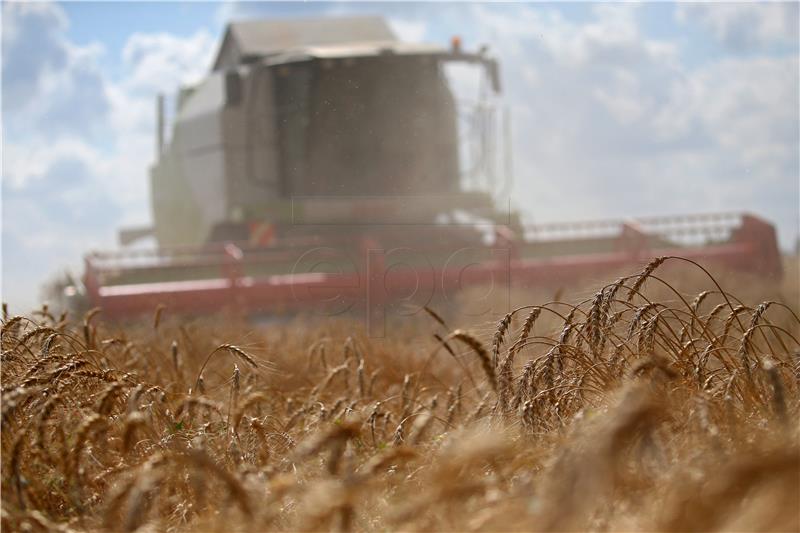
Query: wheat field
641	408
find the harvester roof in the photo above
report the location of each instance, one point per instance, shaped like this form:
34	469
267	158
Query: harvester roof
251	40
355	50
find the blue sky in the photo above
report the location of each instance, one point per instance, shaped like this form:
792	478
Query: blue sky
618	109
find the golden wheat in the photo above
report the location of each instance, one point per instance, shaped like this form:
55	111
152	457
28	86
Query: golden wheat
630	410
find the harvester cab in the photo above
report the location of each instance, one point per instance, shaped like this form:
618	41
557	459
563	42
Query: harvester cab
322	162
317	120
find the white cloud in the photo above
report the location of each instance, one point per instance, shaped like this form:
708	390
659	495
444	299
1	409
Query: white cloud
26	162
745	25
48	83
611	122
162	62
23	61
68	188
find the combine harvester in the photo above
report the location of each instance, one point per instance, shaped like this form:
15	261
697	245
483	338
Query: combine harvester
322	165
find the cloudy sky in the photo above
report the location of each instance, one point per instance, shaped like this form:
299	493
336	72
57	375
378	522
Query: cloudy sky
618	109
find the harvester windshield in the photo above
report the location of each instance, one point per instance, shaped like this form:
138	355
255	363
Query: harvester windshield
366	126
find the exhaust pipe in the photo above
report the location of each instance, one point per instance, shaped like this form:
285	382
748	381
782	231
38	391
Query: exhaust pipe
159	124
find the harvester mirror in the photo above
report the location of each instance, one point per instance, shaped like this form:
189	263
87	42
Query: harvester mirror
233	88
